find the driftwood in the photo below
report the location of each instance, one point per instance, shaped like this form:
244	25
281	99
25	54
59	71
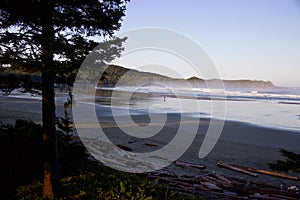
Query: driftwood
237	169
265	172
263	197
212	186
150	144
224	179
254	172
125	148
163	173
189	165
132	141
218	186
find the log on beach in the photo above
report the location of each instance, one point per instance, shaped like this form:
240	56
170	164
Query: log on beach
125	148
150	144
233	168
254	172
189	165
265	172
163	173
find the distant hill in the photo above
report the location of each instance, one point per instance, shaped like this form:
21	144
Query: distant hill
129	77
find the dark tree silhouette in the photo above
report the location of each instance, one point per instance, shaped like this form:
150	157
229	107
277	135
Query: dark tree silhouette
291	163
45	35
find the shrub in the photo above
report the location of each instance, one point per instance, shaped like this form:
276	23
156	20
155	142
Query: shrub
292	162
102	186
21	154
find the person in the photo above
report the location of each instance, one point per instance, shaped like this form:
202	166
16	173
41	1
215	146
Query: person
68	101
164	98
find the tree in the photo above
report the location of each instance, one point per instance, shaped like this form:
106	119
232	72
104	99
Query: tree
291	163
45	35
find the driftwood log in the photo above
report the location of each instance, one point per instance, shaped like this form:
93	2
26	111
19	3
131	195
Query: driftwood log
237	169
265	172
254	172
189	165
125	148
150	144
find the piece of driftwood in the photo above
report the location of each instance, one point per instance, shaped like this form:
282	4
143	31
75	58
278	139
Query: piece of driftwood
212	186
125	148
221	178
265	172
175	181
282	197
150	144
163	173
233	168
263	197
189	165
132	141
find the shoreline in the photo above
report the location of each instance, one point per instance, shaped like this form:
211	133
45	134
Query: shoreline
137	112
33	110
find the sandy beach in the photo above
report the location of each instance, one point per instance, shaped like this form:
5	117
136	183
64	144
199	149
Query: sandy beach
239	144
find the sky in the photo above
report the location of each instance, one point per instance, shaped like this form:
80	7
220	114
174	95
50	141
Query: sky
245	39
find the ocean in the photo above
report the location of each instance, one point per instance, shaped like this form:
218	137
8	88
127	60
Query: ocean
274	108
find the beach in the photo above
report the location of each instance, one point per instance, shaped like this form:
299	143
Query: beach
240	143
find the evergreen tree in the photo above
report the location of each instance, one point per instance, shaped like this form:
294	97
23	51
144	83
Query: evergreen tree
47	35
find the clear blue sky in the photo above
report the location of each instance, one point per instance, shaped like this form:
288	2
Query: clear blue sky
246	39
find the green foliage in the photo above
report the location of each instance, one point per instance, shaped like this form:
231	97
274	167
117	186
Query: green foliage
11	81
65	123
62	27
31	191
55	37
21	155
112	185
292	162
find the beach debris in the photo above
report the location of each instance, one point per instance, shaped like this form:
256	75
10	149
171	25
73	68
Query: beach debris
131	141
263	197
254	172
293	188
150	144
265	172
237	169
163	173
220	177
189	165
125	148
212	185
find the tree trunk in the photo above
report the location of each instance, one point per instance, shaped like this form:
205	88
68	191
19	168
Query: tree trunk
51	188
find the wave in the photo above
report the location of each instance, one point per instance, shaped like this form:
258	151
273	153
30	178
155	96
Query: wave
283	95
